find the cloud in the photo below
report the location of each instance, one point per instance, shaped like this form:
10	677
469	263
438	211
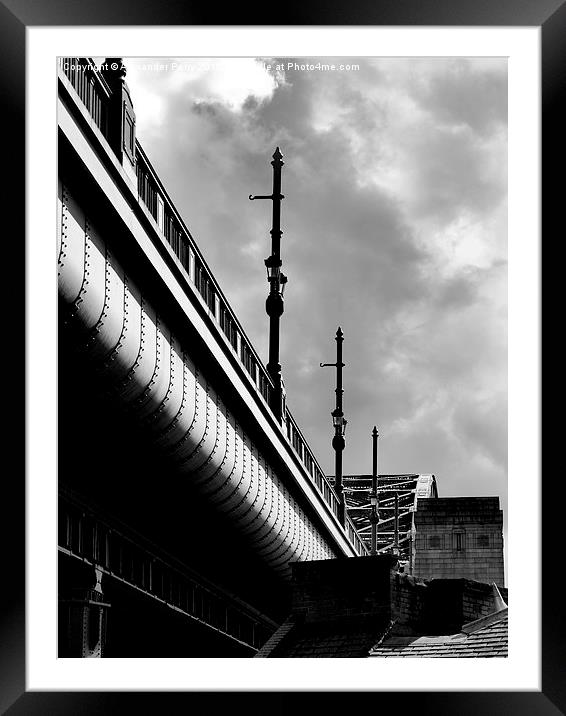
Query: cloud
235	83
395	228
468	93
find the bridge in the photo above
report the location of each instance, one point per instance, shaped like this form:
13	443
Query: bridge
184	494
397	503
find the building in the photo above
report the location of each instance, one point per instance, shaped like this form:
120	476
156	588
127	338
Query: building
365	608
435	538
460	537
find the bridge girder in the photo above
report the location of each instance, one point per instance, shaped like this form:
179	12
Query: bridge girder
409	489
153	368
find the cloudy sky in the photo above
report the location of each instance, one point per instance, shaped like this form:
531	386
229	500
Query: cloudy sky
394	227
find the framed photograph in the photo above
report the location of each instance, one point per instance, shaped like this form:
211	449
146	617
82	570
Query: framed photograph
406	182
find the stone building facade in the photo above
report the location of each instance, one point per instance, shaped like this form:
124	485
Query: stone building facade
459	537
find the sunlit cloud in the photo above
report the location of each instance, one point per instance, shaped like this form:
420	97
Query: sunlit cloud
394	227
228	82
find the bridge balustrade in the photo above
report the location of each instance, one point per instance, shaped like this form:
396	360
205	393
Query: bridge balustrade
94	93
90	87
150	188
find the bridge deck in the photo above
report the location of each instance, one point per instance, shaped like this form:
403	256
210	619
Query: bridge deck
142	309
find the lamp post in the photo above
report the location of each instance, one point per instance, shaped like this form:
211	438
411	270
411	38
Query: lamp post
396	532
274	303
339	423
374	497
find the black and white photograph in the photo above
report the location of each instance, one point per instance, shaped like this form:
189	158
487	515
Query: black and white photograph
282	366
282	357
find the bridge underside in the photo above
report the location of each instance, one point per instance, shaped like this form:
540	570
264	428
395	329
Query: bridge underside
146	442
108	463
138	626
176	479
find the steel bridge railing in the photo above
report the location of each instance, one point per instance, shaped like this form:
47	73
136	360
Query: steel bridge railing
91	87
152	193
94	93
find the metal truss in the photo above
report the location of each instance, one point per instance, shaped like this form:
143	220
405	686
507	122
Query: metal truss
408	489
127	557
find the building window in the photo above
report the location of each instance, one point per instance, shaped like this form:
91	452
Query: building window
434	542
483	541
459	541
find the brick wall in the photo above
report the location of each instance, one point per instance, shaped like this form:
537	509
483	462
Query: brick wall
459	537
438	605
453	602
408	597
348	587
369	587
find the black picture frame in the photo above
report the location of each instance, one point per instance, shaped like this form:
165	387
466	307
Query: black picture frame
15	17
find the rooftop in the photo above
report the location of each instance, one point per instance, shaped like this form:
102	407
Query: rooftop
362	607
485	637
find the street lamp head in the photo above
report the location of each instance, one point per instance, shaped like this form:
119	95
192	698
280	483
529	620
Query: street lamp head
283	281
339	421
273	266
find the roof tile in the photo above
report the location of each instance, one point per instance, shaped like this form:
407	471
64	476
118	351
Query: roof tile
489	641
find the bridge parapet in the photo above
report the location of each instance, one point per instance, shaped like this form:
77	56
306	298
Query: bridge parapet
169	231
153	194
